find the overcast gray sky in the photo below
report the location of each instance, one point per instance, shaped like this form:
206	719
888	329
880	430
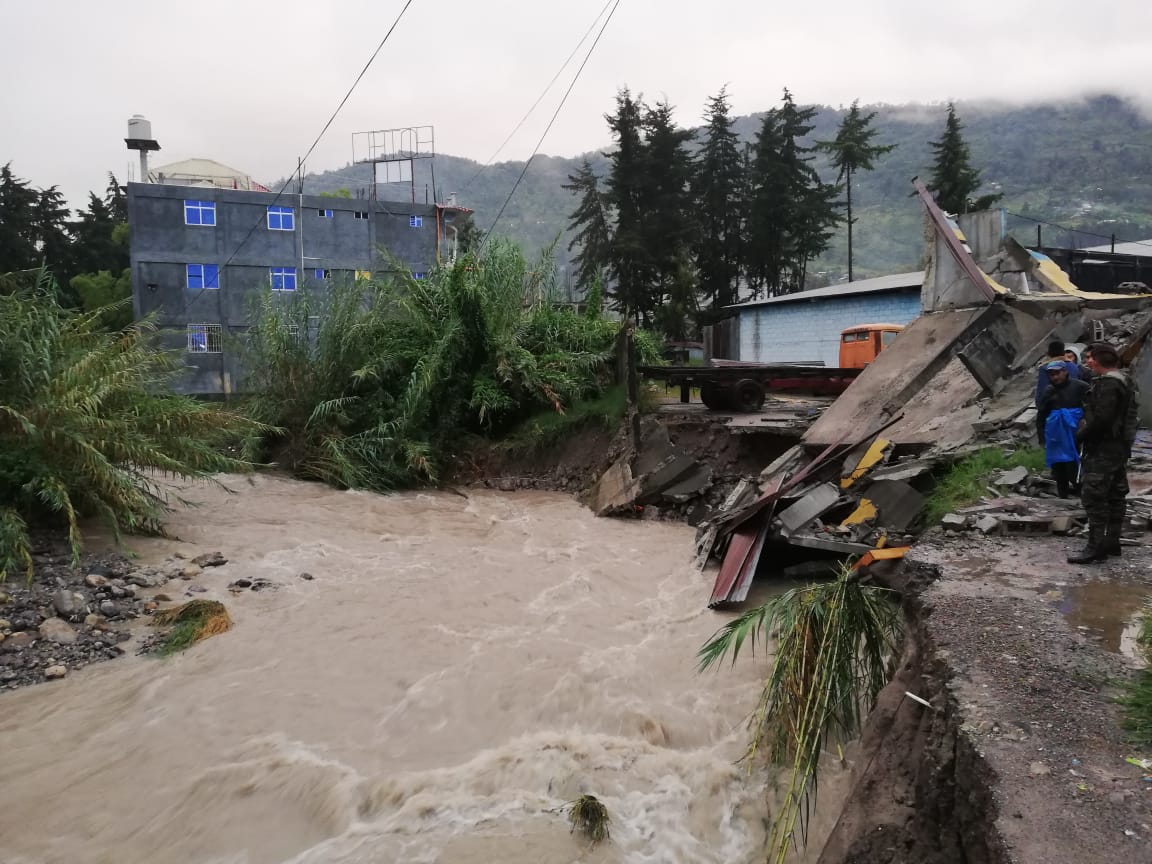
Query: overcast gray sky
251	82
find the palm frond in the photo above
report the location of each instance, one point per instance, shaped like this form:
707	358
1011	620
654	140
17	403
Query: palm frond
833	645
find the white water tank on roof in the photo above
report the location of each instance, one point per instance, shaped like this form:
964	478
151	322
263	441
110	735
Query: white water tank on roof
139	128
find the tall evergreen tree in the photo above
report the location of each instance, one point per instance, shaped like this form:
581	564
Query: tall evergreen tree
792	213
669	223
18	202
96	245
852	150
719	192
51	221
954	179
590	221
631	264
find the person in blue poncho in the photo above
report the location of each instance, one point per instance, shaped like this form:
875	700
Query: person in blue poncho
1058	413
1056	354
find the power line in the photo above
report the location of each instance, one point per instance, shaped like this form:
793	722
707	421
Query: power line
539	98
1110	237
316	141
548	128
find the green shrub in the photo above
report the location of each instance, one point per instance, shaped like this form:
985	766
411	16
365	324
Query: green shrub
967	481
86	427
393	373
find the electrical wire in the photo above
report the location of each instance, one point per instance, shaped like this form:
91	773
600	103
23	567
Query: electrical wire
539	99
315	142
548	128
1077	230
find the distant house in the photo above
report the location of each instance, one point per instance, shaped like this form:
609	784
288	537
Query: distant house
204	245
805	326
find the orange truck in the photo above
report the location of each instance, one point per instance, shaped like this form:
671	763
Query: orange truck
859	345
739	386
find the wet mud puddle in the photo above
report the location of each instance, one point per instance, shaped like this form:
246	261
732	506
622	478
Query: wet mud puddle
455	670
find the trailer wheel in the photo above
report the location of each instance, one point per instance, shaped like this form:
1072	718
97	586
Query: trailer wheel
748	395
712	396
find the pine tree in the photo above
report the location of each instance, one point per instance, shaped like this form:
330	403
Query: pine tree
51	226
852	150
791	212
669	226
954	180
18	201
719	192
630	262
590	221
97	246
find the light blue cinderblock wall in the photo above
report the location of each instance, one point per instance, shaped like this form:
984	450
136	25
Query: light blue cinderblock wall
809	330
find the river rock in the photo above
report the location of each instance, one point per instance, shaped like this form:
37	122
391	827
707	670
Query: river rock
146	580
69	603
241	583
20	640
307	577
117	592
5	624
109	609
4	597
57	671
95	580
100	570
190	572
210	559
96	622
60	632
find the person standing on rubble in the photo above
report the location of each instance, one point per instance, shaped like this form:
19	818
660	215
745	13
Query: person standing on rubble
1058	414
1072	357
1055	355
1106	434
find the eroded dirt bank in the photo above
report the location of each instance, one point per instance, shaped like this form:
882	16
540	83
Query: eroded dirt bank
1021	756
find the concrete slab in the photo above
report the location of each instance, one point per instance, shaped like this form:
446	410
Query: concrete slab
898	505
926	346
810	507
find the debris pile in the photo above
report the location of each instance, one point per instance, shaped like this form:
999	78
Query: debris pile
959	379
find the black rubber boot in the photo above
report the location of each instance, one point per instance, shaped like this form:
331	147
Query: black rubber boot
1089	555
1112	546
1094	551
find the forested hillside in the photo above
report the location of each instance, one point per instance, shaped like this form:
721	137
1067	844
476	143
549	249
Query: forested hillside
1085	164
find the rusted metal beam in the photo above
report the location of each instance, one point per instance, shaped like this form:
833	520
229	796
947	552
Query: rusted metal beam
962	256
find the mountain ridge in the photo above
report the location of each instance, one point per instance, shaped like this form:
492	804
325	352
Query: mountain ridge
1085	163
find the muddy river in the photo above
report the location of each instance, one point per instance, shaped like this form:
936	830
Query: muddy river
456	670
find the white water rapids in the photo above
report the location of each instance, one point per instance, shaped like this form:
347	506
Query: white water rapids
457	669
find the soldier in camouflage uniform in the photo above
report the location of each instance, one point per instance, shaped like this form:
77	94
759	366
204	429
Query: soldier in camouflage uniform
1106	434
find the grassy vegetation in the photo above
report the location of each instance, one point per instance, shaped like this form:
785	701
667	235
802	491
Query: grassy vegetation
1137	700
590	817
87	427
546	428
967	481
191	622
393	374
834	643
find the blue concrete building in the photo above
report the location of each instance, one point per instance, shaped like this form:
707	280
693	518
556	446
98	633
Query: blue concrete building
805	327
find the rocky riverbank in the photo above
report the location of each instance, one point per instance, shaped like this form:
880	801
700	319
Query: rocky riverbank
70	614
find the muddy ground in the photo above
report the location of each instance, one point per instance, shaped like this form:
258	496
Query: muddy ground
1021	756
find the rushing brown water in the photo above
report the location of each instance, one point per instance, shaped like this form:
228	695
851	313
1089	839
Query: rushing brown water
457	670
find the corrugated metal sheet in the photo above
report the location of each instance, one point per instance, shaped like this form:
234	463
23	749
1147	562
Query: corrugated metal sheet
893	282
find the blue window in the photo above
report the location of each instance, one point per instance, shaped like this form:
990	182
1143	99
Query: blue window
417	274
200	213
321	273
201	276
415	221
324	214
283	278
281	219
